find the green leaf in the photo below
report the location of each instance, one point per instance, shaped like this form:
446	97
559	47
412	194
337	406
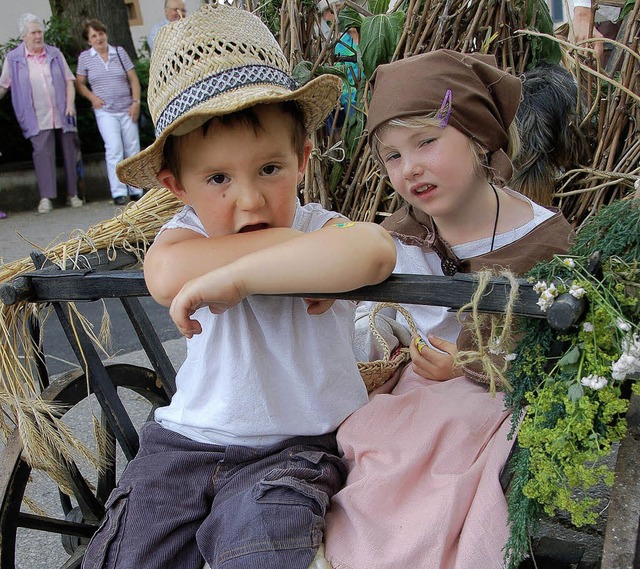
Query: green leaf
349	18
302	72
378	6
538	17
378	40
571	357
626	9
575	392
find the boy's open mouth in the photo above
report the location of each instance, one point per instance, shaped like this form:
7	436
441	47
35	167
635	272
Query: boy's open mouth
256	227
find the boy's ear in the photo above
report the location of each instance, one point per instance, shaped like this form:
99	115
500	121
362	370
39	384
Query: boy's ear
306	152
168	180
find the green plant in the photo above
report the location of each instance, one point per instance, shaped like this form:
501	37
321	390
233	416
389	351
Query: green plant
569	403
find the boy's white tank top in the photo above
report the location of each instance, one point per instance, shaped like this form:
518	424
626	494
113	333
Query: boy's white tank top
265	370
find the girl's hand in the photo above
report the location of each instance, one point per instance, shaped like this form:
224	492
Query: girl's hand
97	103
430	363
217	289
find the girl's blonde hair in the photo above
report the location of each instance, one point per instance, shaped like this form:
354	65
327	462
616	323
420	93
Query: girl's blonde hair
482	167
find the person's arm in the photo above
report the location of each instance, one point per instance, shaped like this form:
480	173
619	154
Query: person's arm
134	82
81	86
583	28
336	258
179	255
5	79
70	109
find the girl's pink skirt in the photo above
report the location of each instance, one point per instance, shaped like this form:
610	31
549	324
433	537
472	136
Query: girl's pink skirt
423	490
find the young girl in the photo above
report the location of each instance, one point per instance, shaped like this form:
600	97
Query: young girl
424	459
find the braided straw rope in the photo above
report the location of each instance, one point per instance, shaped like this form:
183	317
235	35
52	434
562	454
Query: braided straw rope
47	441
376	373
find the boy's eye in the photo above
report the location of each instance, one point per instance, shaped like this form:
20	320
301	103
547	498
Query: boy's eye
270	169
217	179
392	156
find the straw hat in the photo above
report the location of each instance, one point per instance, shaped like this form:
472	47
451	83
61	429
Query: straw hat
215	62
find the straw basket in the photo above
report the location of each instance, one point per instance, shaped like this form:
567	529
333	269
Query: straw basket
376	373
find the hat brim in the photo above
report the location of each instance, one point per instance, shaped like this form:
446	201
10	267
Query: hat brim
317	98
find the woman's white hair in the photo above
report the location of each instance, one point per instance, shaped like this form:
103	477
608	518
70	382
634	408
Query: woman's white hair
28	18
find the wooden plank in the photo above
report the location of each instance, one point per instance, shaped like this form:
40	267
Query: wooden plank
623	515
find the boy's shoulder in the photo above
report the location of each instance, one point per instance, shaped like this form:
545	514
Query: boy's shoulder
312	216
186	218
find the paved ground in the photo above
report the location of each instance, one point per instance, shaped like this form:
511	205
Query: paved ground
22	232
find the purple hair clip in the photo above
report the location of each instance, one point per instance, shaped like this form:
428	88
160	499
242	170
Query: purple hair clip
445	109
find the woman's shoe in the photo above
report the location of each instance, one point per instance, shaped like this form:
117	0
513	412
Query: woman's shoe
45	206
74	201
120	200
135	197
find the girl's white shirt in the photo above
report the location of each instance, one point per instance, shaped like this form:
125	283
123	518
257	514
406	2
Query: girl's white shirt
435	320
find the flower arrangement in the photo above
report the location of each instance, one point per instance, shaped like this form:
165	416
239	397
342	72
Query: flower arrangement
571	389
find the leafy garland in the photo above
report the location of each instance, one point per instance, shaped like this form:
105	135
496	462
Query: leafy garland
571	389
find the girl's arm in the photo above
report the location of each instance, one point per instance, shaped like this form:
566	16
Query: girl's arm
179	255
336	258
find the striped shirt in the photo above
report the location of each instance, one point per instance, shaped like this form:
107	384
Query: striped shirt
108	79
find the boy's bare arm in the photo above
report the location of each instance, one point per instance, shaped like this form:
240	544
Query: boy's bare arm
179	255
337	258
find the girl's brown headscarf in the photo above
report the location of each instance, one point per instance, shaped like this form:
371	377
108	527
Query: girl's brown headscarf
468	91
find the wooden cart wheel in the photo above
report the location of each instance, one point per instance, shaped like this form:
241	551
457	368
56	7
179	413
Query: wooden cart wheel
73	518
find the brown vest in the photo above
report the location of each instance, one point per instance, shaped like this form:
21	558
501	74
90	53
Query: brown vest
553	236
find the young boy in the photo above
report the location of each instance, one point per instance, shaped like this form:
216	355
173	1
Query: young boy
238	470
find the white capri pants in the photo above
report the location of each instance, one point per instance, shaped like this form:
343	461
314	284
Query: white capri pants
121	140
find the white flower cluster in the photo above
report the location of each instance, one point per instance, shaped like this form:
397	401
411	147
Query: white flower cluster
495	348
577	291
594	381
629	362
547	294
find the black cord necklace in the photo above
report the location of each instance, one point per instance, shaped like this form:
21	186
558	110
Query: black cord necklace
449	262
495	223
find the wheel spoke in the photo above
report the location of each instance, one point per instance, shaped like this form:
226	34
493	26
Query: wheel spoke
55	525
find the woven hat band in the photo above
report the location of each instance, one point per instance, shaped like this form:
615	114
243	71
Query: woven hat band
219	83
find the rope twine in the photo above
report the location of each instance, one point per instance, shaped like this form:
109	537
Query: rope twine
376	373
500	327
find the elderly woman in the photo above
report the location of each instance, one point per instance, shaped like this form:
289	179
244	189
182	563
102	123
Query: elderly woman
115	97
43	99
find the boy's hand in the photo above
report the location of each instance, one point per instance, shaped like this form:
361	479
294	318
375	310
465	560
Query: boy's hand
217	289
433	364
318	305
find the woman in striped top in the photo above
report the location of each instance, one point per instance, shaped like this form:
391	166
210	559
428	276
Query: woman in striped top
115	97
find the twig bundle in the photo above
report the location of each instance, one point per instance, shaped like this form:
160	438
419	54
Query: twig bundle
508	30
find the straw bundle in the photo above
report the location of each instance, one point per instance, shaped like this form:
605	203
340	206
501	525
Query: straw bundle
47	441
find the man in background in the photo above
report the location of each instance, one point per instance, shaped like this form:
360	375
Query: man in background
173	10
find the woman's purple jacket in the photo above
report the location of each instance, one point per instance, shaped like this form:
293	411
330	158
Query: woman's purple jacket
21	94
